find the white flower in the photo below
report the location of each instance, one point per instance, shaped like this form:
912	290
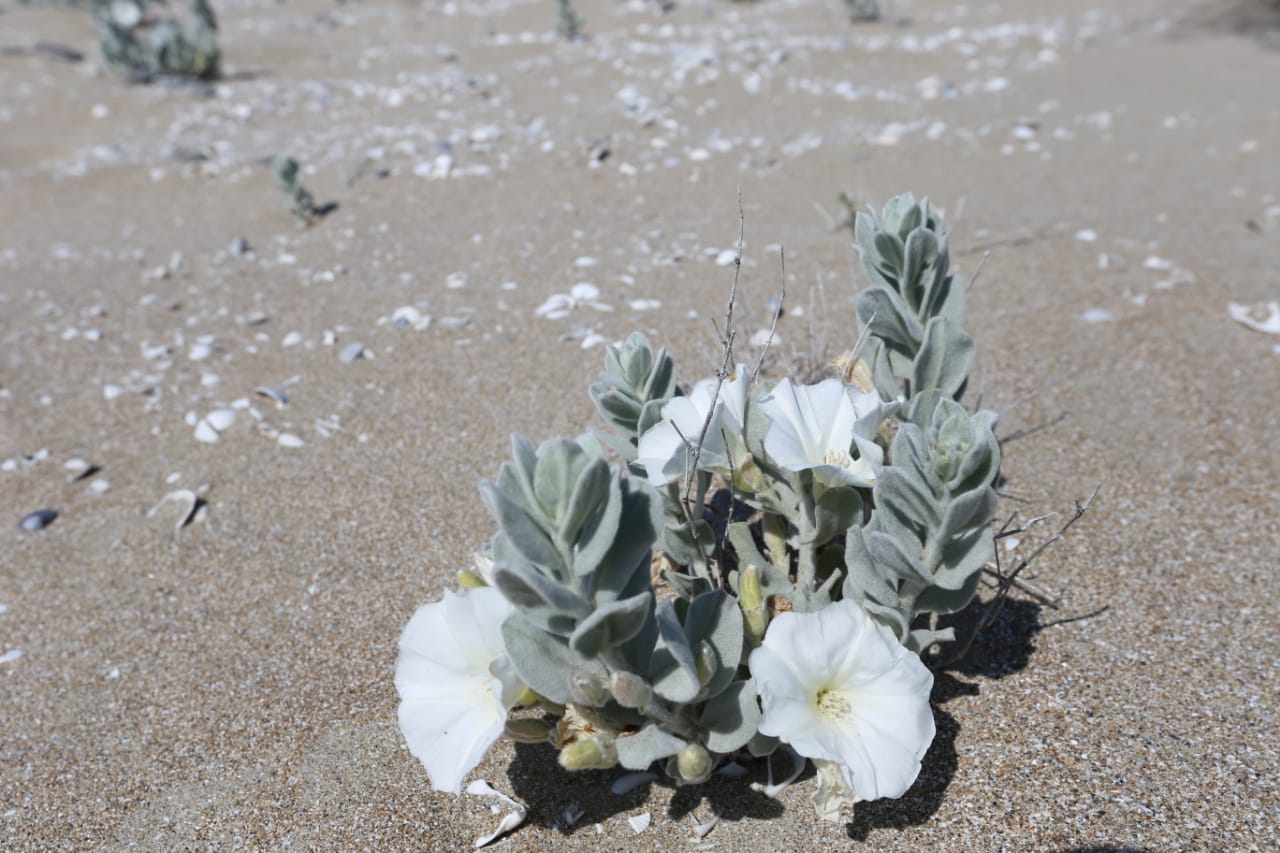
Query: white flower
663	451
455	682
839	687
818	428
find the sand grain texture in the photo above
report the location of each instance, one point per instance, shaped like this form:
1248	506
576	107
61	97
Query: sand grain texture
227	685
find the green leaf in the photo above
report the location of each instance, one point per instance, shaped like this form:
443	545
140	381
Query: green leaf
732	717
672	670
944	358
637	751
544	661
611	625
715	617
523	532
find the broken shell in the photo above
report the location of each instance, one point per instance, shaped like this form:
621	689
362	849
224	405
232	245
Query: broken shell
351	352
38	520
221	419
275	394
189	504
206	433
288	439
80	469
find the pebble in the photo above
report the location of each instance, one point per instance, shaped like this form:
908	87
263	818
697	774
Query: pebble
351	352
288	439
38	520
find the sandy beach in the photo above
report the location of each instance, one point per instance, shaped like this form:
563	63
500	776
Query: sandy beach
226	684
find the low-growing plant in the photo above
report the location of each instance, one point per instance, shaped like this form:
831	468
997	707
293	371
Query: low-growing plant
302	203
765	568
143	39
568	21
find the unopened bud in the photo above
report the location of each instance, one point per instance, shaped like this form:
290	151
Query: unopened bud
469	579
750	596
528	731
630	690
595	753
707	662
755	623
585	690
693	764
749	476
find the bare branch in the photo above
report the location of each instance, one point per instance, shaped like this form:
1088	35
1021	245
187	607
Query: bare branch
726	358
782	301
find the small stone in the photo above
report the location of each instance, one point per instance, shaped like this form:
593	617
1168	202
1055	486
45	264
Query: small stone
38	520
353	351
288	439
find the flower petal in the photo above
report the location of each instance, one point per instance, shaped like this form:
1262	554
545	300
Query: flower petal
453	698
839	687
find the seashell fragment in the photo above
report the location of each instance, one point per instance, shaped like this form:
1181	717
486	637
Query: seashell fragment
189	506
274	394
353	351
640	822
1263	317
38	520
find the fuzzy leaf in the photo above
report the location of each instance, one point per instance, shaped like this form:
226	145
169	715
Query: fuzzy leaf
544	661
715	617
523	532
553	607
637	751
611	625
672	670
944	358
732	717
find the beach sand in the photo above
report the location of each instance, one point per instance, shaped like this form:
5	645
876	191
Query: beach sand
227	685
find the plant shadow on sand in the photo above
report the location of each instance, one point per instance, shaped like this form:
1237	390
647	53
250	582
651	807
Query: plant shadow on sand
1003	648
538	779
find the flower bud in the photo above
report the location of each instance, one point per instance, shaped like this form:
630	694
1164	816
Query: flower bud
585	690
469	579
528	730
707	662
594	753
750	596
630	690
693	764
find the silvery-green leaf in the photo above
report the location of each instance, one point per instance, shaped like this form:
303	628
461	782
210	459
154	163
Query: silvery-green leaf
525	535
560	461
888	318
624	568
590	492
687	587
611	625
772	581
544	661
715	617
919	254
637	751
944	358
550	605
834	512
672	669
762	745
731	717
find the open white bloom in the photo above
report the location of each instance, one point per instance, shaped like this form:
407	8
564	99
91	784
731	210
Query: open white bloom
663	451
455	682
820	428
839	687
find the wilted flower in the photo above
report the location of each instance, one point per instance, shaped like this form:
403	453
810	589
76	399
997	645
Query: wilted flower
455	682
663	450
840	688
828	428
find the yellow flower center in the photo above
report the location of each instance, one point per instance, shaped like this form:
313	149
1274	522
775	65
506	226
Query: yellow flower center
832	704
839	458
